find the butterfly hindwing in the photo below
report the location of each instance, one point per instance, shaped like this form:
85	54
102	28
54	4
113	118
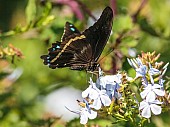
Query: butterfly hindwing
55	46
69	53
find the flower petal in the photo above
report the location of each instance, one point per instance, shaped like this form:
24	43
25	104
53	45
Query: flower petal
141	71
93	94
97	104
153	71
156	109
83	116
138	61
156	102
133	63
143	104
155	86
86	92
150	96
117	95
105	100
144	93
161	82
146	112
151	78
159	92
92	115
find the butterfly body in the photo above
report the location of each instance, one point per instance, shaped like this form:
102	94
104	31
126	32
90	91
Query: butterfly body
81	51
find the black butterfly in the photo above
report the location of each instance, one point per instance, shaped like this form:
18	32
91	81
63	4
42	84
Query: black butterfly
81	51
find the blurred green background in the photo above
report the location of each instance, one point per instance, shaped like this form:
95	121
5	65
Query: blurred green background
31	26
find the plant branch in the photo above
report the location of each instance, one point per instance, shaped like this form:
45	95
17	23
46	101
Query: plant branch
85	9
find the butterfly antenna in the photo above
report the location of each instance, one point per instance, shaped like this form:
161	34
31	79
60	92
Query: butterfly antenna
118	41
93	73
106	54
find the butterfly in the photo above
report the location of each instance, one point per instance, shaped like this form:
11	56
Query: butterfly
81	51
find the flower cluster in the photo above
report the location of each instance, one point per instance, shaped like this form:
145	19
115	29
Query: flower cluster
99	95
148	70
115	95
10	51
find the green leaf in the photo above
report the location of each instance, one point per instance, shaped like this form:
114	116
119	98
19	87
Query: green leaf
122	23
30	11
129	41
45	20
145	26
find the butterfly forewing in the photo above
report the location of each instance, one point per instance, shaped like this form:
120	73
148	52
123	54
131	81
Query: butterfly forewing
98	34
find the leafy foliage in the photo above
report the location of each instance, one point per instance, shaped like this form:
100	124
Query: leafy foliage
31	30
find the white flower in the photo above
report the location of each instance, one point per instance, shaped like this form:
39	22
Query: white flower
147	107
85	113
110	83
99	97
164	69
151	91
153	71
102	100
91	91
161	83
109	79
140	69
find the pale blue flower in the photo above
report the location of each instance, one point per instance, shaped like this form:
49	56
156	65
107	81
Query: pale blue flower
147	107
151	91
111	83
86	114
141	70
99	97
133	63
91	91
109	79
153	71
102	100
164	69
161	83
